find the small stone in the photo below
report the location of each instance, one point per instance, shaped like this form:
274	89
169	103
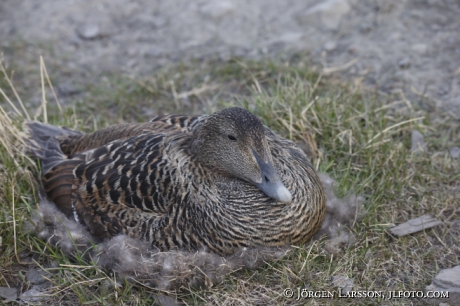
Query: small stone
415	225
154	51
291	41
217	9
454	152
67	89
159	21
111	285
291	37
386	7
8	294
404	63
132	63
132	51
342	282
443	89
330	45
329	12
32	295
164	300
365	28
432	2
417	142
420	48
89	31
8	28
147	20
35	276
447	280
239	51
353	50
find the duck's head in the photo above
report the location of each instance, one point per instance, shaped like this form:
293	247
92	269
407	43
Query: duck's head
232	142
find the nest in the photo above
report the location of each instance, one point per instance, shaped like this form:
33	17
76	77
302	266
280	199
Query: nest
137	260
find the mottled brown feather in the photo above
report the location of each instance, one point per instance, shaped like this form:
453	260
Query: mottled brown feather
147	180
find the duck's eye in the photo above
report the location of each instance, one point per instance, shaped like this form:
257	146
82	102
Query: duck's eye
231	137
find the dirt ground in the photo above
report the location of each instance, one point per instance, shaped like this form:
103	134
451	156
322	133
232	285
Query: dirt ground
409	45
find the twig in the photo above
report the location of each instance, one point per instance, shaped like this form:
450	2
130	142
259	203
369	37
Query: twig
45	115
11	103
195	91
393	126
2	68
341	67
42	64
14	231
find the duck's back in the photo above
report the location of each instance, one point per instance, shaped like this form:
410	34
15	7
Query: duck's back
78	142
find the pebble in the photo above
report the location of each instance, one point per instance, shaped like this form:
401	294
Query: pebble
132	51
404	63
447	280
111	285
148	20
132	63
330	46
89	31
417	142
343	282
35	276
159	21
454	152
415	225
329	12
365	28
67	89
420	48
8	294
353	50
217	9
290	38
153	51
32	295
444	89
432	2
164	300
7	28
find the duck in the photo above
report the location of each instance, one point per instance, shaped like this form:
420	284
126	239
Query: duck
219	182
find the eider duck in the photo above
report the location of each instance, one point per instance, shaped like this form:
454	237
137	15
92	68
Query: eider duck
219	182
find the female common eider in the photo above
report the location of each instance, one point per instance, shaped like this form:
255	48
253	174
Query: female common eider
218	182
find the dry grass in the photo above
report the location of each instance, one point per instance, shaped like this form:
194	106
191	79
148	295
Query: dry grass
361	142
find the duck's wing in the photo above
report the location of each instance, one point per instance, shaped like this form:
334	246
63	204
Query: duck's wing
116	187
77	143
118	184
121	187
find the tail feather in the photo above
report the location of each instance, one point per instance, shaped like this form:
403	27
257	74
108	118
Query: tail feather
42	143
43	130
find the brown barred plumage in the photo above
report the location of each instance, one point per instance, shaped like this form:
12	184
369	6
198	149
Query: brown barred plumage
189	182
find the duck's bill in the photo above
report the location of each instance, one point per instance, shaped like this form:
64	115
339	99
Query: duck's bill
271	184
278	192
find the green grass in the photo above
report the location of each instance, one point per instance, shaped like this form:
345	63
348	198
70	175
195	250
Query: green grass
360	138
